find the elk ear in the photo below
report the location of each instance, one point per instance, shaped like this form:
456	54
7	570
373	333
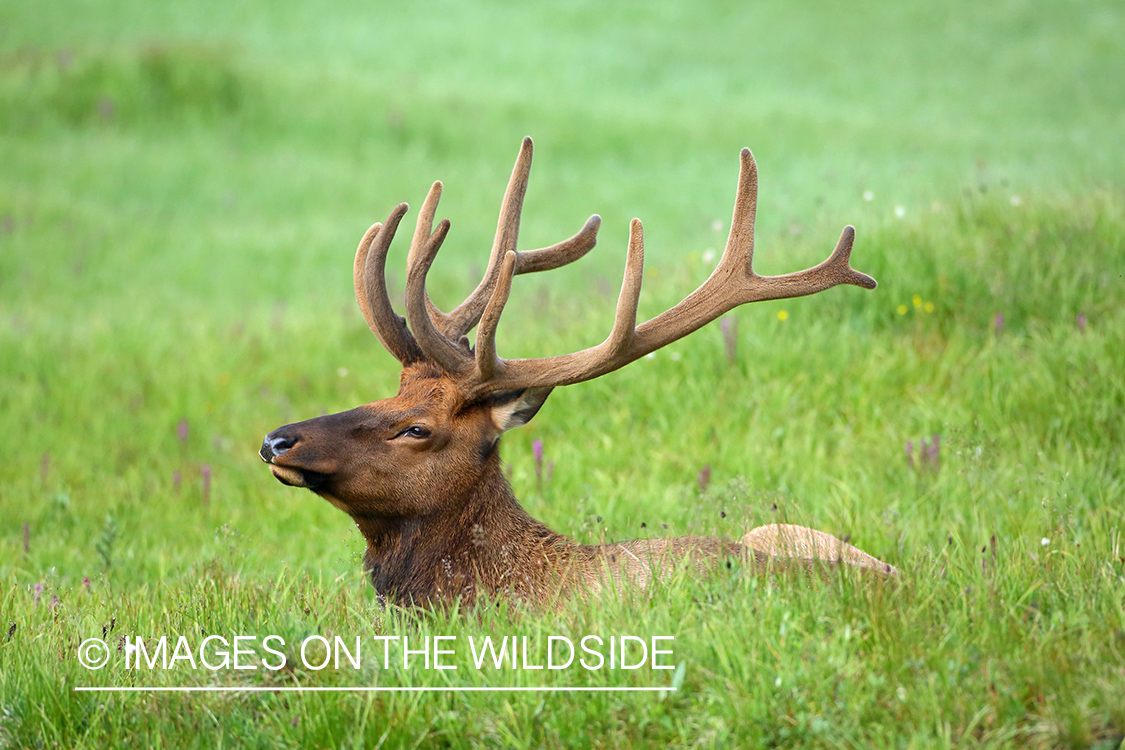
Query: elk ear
511	409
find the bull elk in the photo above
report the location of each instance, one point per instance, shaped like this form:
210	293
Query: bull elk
420	473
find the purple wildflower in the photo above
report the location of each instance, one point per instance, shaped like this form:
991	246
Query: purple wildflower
704	477
537	452
929	454
933	452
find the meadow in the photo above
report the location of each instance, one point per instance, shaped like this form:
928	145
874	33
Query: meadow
182	187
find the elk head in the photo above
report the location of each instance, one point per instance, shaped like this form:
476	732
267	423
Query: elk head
419	472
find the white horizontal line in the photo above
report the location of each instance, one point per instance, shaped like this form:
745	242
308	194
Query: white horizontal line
289	689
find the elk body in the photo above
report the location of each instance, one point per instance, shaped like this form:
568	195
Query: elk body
420	473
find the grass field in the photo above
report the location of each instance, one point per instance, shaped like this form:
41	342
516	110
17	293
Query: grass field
181	190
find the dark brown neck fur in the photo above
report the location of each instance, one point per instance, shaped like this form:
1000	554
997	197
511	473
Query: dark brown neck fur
489	544
485	542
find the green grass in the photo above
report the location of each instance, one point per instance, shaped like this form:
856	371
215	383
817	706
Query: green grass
182	189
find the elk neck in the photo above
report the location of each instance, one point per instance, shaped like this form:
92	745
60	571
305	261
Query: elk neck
482	541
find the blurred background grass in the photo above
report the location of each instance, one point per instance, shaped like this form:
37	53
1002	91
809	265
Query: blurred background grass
282	132
182	187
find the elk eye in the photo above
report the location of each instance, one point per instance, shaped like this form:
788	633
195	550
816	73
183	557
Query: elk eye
417	431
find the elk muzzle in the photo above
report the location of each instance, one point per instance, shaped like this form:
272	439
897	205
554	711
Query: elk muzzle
277	445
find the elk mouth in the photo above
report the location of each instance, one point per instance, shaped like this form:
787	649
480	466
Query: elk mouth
294	477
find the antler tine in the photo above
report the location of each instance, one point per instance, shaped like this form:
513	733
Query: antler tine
490	366
732	283
424	227
369	277
423	249
467	315
739	251
561	253
625	319
740	240
487	361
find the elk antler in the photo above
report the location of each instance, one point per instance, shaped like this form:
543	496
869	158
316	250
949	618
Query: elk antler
466	316
732	283
439	337
369	275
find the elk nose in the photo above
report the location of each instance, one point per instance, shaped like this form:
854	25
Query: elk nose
275	445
